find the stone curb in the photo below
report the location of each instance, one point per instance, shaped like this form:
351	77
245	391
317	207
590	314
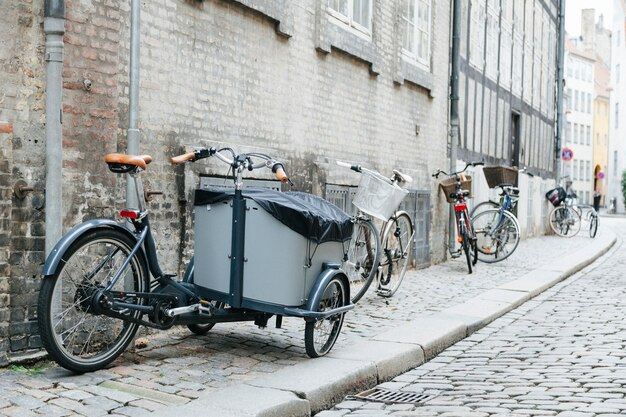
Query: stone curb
316	384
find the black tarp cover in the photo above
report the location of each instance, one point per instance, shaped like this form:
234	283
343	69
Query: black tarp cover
306	214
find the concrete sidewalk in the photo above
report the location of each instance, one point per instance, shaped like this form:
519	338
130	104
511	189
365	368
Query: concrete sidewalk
403	343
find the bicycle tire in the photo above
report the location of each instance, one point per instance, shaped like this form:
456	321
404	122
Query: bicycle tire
361	261
320	335
496	238
564	221
396	245
466	245
593	225
74	338
485	205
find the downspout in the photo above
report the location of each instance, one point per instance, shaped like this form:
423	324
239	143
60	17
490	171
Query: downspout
560	81
133	99
455	63
54	29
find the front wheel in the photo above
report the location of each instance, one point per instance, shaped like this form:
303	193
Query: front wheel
565	221
74	333
320	335
497	235
397	241
362	258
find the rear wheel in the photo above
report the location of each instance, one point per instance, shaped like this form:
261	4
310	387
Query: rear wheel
485	205
564	221
466	244
73	331
497	235
321	334
362	258
396	253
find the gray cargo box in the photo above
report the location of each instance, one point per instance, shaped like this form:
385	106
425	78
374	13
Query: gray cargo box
276	256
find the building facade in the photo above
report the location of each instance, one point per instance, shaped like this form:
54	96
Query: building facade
617	125
307	81
507	106
580	92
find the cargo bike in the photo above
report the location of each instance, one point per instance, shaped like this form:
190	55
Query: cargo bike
258	254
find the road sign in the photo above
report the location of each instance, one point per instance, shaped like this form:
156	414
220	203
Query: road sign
567	154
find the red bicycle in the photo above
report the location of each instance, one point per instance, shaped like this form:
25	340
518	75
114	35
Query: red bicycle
457	188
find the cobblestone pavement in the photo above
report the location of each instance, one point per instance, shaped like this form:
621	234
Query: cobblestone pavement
177	366
561	354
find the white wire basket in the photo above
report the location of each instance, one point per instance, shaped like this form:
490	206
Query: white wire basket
377	196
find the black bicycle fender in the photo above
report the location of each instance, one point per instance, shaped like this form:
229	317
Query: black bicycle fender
54	258
320	285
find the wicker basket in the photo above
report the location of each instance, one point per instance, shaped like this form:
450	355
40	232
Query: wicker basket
449	186
498	175
377	197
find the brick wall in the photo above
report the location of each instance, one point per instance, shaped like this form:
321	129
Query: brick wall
243	73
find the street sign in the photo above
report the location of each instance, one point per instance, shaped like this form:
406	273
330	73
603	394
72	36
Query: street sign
567	154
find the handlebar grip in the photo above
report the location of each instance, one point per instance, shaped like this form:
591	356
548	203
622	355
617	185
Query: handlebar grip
190	156
478	163
279	172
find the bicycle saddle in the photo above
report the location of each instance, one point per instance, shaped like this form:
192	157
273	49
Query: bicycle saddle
120	163
402	177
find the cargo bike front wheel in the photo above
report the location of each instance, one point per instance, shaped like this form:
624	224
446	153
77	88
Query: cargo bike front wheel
321	334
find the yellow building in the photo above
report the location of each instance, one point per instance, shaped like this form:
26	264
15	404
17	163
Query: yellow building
601	129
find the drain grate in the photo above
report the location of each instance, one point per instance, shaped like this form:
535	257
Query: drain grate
392	397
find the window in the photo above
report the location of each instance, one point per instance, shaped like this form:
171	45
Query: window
477	33
614	162
416	42
576	99
588	135
568	132
575	132
616	73
575	169
616	115
588	171
354	13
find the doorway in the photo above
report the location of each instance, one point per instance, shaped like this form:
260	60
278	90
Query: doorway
515	139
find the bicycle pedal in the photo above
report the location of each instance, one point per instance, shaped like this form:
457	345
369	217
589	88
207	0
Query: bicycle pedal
206	307
456	254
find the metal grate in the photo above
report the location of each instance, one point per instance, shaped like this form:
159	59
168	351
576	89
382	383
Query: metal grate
392	397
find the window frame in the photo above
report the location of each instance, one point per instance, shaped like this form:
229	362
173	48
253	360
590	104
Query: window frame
349	22
408	55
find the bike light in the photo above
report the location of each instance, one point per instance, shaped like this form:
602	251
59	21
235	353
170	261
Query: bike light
459	239
130	214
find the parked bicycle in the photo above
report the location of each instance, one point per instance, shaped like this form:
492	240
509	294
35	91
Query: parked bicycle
384	255
260	254
589	219
564	218
497	229
457	189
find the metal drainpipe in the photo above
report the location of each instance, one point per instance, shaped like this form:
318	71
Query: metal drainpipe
455	61
54	29
560	81
133	130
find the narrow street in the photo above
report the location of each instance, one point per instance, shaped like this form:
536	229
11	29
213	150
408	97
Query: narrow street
560	354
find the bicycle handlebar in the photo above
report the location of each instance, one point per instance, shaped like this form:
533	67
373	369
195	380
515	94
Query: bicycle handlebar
469	164
241	161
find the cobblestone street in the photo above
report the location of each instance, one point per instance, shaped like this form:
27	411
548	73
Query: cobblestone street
176	367
560	354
